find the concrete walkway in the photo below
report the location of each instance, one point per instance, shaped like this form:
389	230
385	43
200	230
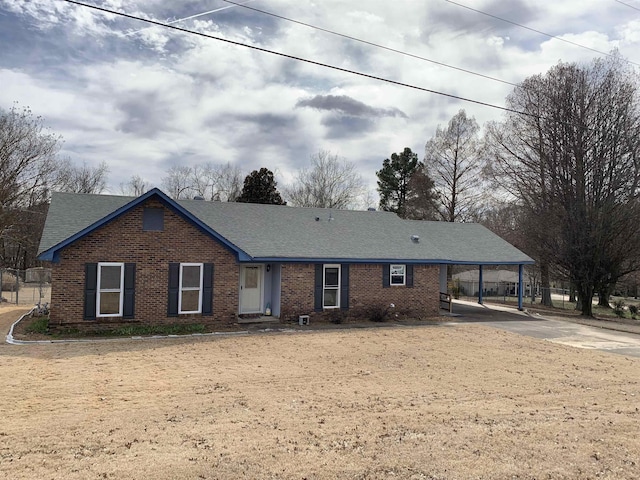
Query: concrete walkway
574	331
8	315
597	334
613	324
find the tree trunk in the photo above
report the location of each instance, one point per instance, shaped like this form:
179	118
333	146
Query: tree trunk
572	293
533	293
603	296
546	284
585	294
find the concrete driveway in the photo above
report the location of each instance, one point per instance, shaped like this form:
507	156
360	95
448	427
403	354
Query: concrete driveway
564	332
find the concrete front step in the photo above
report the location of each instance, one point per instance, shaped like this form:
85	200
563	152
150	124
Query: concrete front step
261	319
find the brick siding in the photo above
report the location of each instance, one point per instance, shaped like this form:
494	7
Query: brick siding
420	300
123	240
297	289
366	292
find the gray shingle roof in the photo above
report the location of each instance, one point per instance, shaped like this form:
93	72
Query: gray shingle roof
287	233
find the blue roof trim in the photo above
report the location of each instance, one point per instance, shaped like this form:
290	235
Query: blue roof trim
53	253
412	261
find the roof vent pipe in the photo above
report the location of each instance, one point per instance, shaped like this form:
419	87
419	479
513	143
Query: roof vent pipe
415	238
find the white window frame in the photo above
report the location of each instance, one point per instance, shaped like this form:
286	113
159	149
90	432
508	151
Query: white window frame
100	290
404	275
190	289
331	287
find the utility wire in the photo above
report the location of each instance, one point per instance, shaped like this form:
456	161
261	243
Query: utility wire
300	59
313	62
371	43
537	31
178	20
627	5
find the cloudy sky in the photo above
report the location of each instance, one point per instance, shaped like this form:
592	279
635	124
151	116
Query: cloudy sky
144	99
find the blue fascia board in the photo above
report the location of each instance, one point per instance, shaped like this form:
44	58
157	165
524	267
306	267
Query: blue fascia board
53	255
412	261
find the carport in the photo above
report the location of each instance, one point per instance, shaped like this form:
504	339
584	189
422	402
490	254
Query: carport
520	284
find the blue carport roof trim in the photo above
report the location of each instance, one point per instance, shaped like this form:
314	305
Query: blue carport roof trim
53	253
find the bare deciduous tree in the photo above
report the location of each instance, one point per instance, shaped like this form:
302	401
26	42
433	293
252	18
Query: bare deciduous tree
178	182
134	187
209	181
28	161
203	180
229	183
328	182
27	158
574	162
452	159
81	179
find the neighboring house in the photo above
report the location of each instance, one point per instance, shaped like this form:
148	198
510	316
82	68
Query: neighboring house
494	282
154	260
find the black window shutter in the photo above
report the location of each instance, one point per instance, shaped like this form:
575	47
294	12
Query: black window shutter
174	289
207	289
90	285
409	280
386	275
344	286
317	304
129	304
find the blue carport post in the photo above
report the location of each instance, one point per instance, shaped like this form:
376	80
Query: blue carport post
480	284
520	269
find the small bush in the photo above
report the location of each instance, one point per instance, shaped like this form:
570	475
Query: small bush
633	309
38	325
378	313
338	316
618	308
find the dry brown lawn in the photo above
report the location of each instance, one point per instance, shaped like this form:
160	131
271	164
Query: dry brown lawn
439	402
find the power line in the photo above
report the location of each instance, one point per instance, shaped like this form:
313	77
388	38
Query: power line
178	20
300	59
313	62
332	32
537	31
627	5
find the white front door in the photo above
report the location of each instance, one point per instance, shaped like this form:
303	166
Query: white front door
251	289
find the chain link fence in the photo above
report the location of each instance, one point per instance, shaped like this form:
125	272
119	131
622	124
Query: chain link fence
26	287
507	293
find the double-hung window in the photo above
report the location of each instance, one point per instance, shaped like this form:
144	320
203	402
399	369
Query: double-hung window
110	288
398	274
331	286
190	297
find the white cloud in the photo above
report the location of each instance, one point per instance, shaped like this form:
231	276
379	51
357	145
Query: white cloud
145	100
